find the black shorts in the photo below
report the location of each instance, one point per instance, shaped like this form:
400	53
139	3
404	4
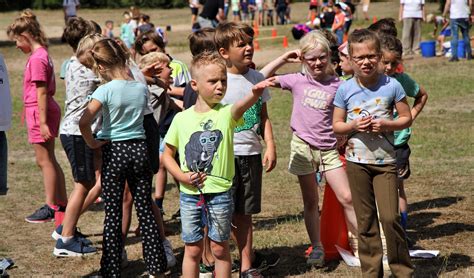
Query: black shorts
247	184
81	158
313	7
194	11
152	141
403	161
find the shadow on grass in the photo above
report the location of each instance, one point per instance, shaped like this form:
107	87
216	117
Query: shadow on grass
261	223
435	266
435	203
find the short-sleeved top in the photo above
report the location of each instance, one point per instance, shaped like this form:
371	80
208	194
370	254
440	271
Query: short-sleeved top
62	72
338	18
39	68
123	103
70	6
459	9
211	9
204	143
379	102
412	8
126	34
411	90
311	116
247	136
81	82
5	97
180	74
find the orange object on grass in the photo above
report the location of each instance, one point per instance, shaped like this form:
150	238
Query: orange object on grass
285	42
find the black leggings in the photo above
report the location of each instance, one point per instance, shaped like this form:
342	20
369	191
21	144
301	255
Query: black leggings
128	161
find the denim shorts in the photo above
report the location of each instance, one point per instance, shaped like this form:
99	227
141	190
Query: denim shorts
217	218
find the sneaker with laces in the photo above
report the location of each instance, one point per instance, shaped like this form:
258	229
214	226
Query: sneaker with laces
263	262
251	273
206	271
170	258
59	230
73	248
316	257
42	215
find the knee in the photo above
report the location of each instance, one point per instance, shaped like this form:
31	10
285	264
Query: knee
219	250
193	252
346	199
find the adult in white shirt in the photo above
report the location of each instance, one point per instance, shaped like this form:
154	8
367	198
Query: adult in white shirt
460	11
70	9
5	123
412	12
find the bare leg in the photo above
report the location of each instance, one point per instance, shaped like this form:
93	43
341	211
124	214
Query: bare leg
244	237
192	254
311	210
221	252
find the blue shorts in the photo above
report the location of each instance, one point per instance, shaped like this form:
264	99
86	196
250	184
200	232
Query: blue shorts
162	145
217	218
446	32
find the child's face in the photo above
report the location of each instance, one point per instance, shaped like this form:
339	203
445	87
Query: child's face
109	25
345	64
240	53
165	74
365	59
390	62
150	46
316	61
210	83
126	18
22	43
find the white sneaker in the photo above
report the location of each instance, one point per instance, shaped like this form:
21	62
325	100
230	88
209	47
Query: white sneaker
170	258
124	263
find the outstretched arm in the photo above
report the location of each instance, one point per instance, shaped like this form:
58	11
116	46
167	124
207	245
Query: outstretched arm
239	108
292	56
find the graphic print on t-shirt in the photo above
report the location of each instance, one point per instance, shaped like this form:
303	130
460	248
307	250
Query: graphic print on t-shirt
316	98
199	151
252	118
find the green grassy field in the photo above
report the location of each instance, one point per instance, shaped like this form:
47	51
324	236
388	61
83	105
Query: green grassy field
440	190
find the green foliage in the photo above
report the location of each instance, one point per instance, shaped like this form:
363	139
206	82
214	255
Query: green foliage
10	5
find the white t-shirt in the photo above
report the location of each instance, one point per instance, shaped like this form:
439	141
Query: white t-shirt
412	8
5	97
70	6
247	136
81	82
459	9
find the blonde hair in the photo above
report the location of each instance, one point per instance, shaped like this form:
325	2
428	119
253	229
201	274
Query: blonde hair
106	53
311	41
153	57
28	13
84	46
204	59
27	24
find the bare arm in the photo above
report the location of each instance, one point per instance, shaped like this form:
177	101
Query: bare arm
270	69
189	178
176	91
42	96
400	13
420	102
270	156
447	5
239	108
423	12
85	124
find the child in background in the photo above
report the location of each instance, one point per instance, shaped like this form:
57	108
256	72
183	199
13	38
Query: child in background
127	33
392	56
346	68
268	7
235	10
122	138
144	24
5	123
85	163
364	111
338	23
108	30
445	28
244	7
203	136
313	146
42	114
234	42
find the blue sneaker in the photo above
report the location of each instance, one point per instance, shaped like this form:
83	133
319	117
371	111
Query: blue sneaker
42	215
316	257
56	235
73	248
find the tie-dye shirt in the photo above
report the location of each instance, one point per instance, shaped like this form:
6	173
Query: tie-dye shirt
379	102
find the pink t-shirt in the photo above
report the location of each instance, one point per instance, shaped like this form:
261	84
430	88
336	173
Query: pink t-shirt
38	68
311	118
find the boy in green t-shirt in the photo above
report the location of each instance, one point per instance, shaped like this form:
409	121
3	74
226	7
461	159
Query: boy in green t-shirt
392	56
203	136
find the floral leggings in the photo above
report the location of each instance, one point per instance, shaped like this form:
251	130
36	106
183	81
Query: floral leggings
128	161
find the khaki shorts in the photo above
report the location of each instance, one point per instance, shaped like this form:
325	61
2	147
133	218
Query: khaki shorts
305	159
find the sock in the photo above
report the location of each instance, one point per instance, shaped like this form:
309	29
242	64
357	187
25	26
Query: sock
66	239
404	219
54	207
159	203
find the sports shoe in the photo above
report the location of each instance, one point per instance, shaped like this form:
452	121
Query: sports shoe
235	266
59	230
42	215
251	273
176	215
170	258
73	248
206	271
262	262
316	257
